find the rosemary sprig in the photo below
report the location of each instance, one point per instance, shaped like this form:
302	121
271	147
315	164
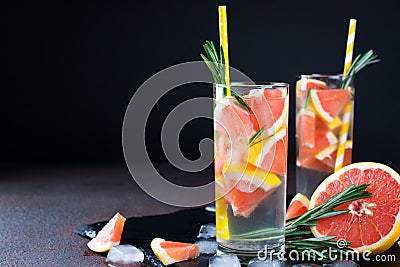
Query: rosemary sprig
361	61
255	136
307	98
312	245
240	100
215	63
298	235
326	209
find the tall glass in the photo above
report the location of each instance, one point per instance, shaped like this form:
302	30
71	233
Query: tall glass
250	136
321	102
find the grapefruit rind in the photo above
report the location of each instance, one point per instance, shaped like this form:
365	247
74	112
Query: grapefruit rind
303	85
315	99
162	254
103	241
243	186
335	123
325	155
260	150
319	109
387	241
96	247
246	173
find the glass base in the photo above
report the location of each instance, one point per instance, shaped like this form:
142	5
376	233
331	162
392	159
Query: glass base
308	180
252	249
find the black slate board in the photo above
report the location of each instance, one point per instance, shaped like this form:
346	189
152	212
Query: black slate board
182	226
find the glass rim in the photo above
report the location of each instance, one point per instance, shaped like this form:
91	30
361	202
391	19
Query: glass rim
260	85
321	75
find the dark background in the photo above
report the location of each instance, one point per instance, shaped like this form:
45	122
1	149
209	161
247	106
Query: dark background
70	68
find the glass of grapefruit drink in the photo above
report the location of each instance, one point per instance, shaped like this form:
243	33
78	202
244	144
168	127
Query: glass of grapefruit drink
251	140
321	101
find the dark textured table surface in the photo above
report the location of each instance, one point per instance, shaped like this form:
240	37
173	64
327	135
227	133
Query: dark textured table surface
40	207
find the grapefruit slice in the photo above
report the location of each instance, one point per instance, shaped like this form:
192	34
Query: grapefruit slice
329	103
320	124
328	155
170	252
303	85
298	206
306	159
269	108
305	128
271	154
109	236
373	224
244	186
232	119
313	164
233	128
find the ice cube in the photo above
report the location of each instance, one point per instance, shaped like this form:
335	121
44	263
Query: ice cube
340	264
90	233
207	231
208	247
265	263
124	255
225	260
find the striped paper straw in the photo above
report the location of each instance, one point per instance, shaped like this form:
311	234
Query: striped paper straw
223	40
347	110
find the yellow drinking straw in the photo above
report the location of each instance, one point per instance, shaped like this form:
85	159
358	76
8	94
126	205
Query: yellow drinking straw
222	224
223	40
347	110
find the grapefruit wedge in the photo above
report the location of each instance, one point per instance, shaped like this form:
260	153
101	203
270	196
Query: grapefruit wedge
321	124
306	157
170	252
303	85
109	236
373	224
233	128
329	103
328	155
305	128
298	206
244	186
271	153
233	119
269	109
